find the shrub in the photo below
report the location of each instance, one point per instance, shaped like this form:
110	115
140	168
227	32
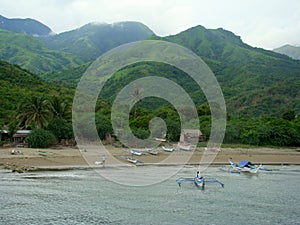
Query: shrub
40	138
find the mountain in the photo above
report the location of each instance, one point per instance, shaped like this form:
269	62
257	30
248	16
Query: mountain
17	84
26	26
67	77
93	39
254	81
31	54
289	50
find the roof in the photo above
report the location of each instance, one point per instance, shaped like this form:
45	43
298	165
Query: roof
244	163
192	132
22	133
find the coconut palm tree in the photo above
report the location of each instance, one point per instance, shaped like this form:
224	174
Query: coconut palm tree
60	108
34	111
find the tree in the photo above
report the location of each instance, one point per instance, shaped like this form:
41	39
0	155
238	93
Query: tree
35	110
60	128
289	115
40	138
60	108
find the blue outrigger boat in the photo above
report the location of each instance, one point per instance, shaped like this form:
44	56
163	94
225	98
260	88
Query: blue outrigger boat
244	166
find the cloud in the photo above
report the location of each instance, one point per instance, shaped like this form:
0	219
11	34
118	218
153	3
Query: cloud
266	24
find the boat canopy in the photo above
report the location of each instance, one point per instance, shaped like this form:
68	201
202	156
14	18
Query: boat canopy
244	163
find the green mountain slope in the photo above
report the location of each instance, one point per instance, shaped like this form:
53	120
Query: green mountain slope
289	50
92	40
26	26
254	81
17	84
66	77
31	54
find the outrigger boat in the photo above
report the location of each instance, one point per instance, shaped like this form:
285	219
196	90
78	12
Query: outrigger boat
133	152
198	181
244	166
186	147
168	149
152	151
132	160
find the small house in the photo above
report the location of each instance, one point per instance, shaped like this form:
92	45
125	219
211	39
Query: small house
191	136
4	135
20	135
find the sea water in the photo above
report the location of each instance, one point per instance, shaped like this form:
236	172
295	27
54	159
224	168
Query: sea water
84	197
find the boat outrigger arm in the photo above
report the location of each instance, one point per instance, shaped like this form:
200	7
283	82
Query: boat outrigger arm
199	181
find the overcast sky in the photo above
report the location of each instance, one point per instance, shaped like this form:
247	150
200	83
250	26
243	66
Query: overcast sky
260	23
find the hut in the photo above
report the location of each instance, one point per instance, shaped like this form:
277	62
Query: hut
20	135
191	136
4	136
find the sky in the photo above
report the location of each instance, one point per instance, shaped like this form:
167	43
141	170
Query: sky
260	23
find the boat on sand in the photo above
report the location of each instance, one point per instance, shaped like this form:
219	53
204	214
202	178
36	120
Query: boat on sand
152	151
134	152
168	149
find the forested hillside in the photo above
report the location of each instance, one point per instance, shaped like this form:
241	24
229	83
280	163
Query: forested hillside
18	85
26	26
94	39
254	81
289	50
31	54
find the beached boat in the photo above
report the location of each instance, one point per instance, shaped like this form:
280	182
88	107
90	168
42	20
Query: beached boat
132	160
152	151
133	152
183	146
244	166
186	146
198	181
160	139
168	149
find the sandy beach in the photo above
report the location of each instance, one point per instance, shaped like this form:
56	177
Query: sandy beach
67	157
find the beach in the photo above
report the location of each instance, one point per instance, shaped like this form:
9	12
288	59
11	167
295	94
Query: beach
71	157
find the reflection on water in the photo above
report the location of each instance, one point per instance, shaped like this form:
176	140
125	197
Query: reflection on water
83	197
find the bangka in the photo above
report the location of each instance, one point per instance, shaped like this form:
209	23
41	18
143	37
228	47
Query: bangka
133	152
132	160
186	147
244	166
168	149
152	151
198	181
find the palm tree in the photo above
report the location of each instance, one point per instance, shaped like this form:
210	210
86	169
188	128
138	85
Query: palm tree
35	110
60	108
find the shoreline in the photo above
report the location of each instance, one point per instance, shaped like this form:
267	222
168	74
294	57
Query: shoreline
67	158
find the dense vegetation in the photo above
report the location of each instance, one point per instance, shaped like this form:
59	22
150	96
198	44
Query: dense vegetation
261	88
18	85
255	82
30	53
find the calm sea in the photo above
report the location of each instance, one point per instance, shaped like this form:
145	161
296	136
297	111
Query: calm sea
84	197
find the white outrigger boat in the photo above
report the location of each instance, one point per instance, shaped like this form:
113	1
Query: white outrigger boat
244	166
198	181
132	160
186	147
168	149
152	151
133	152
